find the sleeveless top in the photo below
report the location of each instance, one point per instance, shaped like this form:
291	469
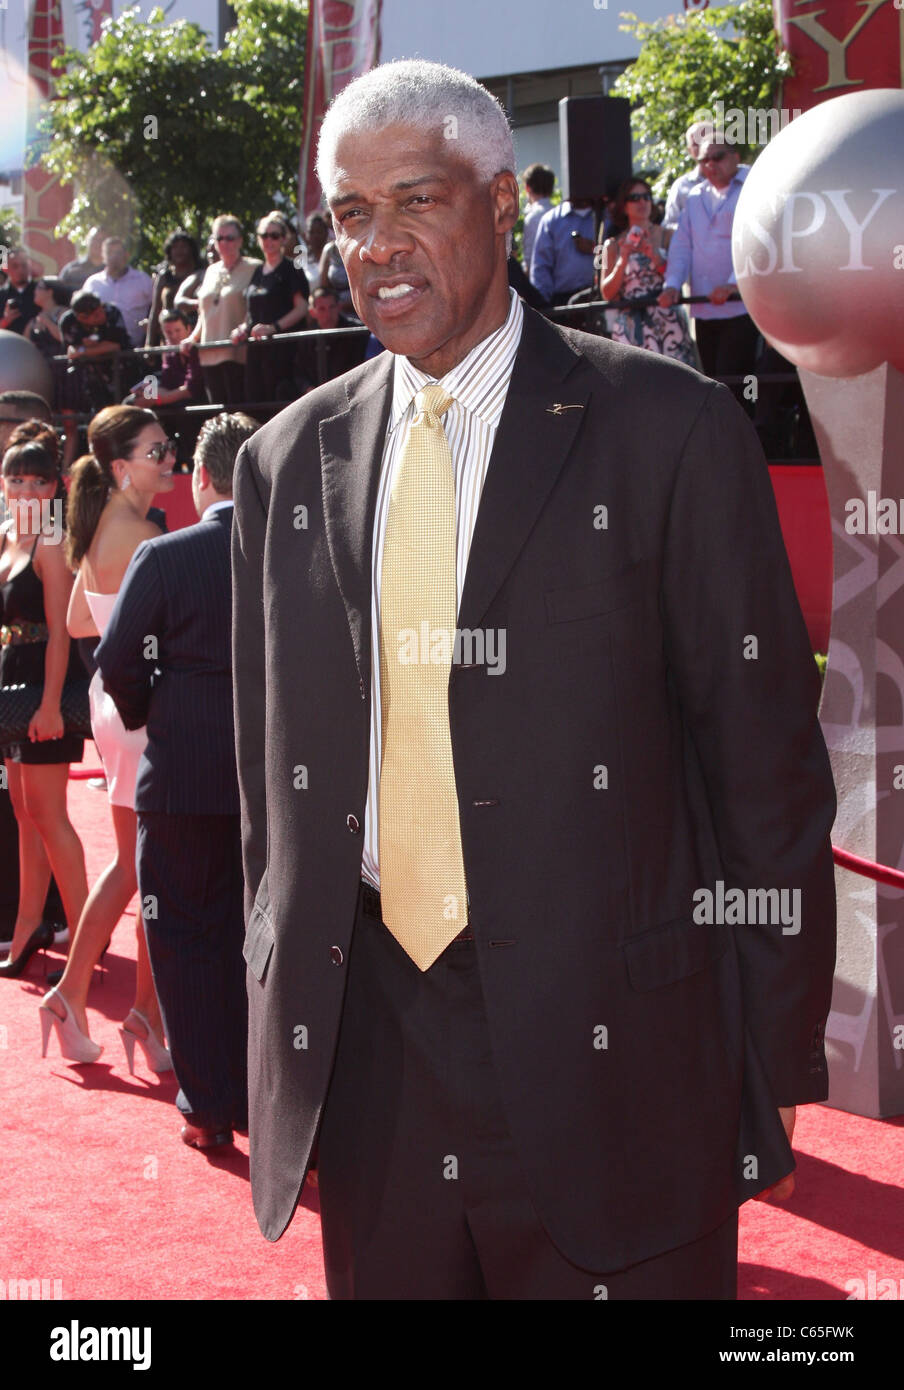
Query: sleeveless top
23	594
22	601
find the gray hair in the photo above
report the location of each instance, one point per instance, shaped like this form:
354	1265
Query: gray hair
697	133
226	219
421	94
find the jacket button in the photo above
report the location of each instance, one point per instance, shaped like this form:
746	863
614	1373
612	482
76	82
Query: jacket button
336	955
352	823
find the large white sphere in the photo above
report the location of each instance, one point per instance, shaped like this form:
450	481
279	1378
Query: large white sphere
818	237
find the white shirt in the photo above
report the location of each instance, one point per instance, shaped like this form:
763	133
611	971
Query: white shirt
130	293
479	385
531	225
216	507
677	196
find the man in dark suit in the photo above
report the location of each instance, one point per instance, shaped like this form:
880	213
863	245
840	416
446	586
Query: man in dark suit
540	920
165	659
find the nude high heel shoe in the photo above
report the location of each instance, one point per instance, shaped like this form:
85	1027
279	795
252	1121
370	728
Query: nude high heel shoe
73	1043
156	1055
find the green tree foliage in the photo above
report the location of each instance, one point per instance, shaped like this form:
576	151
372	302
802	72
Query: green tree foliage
10	231
689	62
154	129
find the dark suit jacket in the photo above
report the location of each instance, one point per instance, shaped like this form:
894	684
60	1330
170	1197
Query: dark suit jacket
177	590
625	650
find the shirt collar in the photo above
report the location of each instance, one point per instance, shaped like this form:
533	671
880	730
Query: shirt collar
479	382
568	208
739	176
216	507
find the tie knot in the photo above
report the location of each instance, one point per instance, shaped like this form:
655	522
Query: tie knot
432	401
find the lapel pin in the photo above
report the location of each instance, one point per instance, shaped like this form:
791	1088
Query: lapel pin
558	409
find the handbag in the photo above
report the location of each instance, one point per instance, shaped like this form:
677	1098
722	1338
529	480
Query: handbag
19	702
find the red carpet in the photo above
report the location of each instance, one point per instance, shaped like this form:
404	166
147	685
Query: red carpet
100	1193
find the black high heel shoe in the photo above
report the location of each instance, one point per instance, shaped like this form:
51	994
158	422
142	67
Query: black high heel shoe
40	939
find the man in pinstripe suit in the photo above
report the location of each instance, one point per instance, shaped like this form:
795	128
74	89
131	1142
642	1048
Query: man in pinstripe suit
165	658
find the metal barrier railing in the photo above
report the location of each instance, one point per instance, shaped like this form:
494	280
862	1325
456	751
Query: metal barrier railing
131	360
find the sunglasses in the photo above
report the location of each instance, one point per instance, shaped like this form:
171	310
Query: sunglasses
224	237
271	236
639	198
713	158
158	452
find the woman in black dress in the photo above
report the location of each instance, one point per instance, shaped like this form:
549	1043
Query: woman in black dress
180	273
35	583
277	303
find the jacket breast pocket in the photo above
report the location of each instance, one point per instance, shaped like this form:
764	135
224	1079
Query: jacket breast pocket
259	938
606	595
674	951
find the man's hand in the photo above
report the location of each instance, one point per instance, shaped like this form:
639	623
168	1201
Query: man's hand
781	1191
721	293
584	244
668	298
10	314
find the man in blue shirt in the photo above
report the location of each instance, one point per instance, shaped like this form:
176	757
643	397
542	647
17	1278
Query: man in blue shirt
539	182
677	195
700	251
562	263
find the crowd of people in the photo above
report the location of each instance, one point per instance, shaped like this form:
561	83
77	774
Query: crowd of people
645	257
218	313
104	579
101	311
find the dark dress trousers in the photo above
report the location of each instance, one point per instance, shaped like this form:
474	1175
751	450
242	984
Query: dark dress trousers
177	591
654	733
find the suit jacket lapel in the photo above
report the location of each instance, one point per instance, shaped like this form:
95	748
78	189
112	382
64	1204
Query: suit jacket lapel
530	448
351	451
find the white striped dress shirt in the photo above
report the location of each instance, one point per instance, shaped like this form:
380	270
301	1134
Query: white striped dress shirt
478	385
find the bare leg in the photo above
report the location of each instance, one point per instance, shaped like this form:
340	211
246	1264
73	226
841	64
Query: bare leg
45	801
34	866
106	903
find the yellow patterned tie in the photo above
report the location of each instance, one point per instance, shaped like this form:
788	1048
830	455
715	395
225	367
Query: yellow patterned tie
422	873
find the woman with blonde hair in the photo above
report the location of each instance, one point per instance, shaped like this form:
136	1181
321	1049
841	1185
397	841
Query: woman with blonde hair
131	460
221	308
277	299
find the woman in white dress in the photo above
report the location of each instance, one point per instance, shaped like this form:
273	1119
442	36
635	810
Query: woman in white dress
131	460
